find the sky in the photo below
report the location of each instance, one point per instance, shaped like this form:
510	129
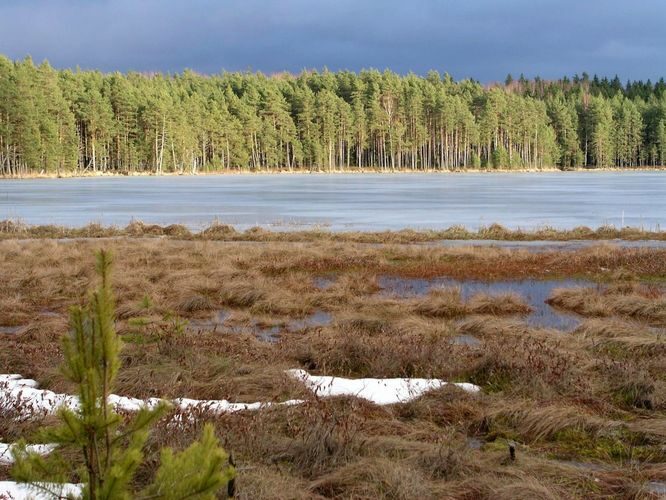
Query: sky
480	39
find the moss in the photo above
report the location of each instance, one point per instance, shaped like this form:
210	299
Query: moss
634	394
618	445
496	444
498	431
612	350
492	376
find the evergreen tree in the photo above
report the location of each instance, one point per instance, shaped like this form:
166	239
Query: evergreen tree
88	121
602	135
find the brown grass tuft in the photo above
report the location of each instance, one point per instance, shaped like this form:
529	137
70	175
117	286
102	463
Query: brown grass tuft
503	304
643	303
373	478
441	303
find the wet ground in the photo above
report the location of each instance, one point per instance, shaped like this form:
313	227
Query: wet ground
323	282
269	333
535	292
11	330
468	340
316	319
656	487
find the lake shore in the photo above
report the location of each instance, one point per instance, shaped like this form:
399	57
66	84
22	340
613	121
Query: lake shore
13	229
71	175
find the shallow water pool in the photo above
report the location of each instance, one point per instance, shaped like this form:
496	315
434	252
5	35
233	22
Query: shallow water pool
535	292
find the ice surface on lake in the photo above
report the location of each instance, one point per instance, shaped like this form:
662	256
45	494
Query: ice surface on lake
346	201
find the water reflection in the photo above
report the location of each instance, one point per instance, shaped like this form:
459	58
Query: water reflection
535	292
217	323
11	330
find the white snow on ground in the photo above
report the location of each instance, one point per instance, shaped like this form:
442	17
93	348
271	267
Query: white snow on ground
22	491
381	391
6	457
219	406
24	397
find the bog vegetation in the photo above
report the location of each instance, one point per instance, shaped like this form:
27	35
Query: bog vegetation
584	410
86	121
12	229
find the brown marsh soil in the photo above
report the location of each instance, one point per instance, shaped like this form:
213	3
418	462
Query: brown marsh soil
584	409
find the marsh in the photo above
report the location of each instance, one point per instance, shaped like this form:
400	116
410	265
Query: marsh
595	394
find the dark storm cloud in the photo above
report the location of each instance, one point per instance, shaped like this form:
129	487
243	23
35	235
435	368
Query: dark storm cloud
484	39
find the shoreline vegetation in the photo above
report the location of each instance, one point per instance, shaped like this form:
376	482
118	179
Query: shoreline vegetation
217	231
62	121
573	413
337	171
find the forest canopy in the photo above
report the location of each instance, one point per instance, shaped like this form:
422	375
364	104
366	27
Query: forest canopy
58	121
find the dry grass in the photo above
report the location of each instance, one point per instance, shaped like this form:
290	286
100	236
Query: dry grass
596	396
448	303
498	305
374	478
633	301
218	231
546	422
442	303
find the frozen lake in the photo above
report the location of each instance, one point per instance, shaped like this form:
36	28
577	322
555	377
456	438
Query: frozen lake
346	201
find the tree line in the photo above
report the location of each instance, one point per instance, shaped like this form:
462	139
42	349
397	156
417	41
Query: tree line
86	121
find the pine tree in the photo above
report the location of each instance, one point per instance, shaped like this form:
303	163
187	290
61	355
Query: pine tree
601	117
111	449
88	121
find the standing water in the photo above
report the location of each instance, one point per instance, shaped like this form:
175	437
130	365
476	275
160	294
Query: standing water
535	293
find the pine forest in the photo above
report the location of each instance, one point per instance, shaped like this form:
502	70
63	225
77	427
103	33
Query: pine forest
63	121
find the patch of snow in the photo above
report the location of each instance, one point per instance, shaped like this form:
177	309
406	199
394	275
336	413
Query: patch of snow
381	391
23	396
25	491
6	457
220	406
468	340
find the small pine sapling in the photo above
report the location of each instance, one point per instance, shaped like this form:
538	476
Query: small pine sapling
111	449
